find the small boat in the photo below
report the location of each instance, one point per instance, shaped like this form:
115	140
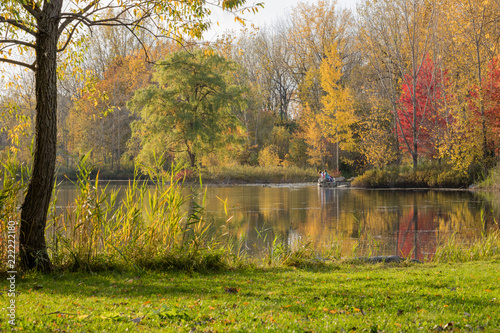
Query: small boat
322	182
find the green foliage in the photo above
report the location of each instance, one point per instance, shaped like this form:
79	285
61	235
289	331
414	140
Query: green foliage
12	182
281	139
188	108
297	153
249	155
492	181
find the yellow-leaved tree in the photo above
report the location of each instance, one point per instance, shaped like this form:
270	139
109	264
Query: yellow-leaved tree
313	137
337	119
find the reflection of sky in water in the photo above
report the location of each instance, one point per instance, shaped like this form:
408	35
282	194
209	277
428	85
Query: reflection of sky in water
378	222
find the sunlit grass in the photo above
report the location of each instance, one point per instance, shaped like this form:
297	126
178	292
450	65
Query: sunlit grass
332	298
430	175
258	174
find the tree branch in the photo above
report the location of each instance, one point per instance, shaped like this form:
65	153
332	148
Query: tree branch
32	8
17	24
19	63
69	38
72	16
17	42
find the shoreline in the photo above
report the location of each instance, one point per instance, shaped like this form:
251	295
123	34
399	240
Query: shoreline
298	184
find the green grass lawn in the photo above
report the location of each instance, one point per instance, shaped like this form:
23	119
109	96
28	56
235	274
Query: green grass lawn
337	298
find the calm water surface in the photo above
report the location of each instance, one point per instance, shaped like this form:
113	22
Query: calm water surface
370	222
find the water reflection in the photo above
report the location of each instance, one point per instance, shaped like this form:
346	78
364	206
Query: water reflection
363	222
360	222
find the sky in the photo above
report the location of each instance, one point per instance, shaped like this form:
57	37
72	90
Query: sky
272	11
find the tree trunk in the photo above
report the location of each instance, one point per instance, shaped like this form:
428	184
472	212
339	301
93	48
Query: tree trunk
481	102
192	159
33	249
414	125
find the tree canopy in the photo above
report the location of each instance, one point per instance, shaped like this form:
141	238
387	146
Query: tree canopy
188	108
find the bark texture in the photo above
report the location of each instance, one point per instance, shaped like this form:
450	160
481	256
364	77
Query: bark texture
33	248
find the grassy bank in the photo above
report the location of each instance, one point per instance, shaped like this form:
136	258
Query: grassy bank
492	182
336	298
257	174
238	174
426	176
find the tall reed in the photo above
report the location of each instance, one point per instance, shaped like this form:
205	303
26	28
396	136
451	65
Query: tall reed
457	250
12	182
148	228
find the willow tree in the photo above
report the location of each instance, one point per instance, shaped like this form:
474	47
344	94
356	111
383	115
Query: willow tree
188	108
34	32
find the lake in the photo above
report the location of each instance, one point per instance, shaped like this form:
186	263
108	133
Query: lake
356	221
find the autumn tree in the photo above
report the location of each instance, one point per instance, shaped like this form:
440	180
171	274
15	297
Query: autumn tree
33	33
491	91
489	94
188	108
100	120
337	118
397	36
313	28
274	56
17	113
474	28
421	110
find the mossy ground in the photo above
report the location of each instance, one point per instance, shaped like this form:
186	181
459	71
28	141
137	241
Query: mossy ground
343	297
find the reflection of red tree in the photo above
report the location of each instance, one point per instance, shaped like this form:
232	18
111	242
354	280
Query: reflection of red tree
418	234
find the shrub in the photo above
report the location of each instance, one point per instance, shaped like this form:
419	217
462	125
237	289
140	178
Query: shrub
183	174
269	156
426	176
376	178
452	178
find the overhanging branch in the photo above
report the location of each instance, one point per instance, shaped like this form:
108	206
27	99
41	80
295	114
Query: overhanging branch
17	42
18	24
19	63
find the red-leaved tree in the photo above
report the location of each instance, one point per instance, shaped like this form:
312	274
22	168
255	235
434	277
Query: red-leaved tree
421	116
491	93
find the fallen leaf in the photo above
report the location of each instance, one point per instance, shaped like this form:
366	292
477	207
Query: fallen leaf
231	290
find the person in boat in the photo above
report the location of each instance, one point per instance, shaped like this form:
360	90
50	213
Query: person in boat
327	176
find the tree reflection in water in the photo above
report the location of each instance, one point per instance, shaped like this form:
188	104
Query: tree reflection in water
361	222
